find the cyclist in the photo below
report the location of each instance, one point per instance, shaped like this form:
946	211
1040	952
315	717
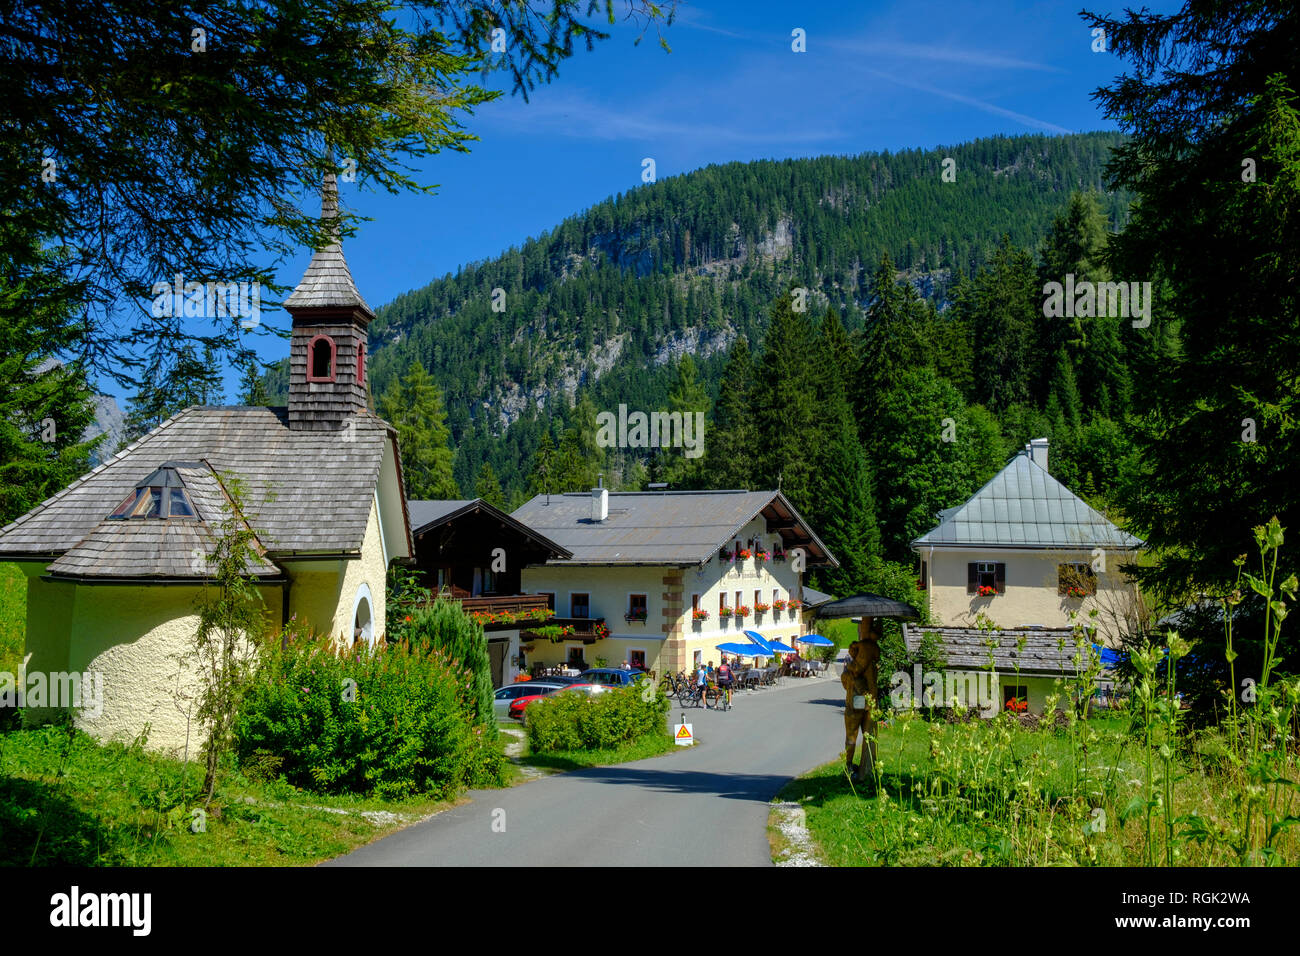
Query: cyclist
702	681
725	678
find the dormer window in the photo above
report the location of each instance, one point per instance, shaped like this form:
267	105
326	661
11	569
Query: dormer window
320	359
161	495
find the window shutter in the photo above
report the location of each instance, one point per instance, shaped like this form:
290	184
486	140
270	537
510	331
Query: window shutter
1000	577
972	577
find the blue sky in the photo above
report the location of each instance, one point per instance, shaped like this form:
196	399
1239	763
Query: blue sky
875	76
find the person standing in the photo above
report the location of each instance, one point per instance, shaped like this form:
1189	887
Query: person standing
725	677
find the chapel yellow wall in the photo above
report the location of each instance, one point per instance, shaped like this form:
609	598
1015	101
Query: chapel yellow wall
138	640
322	593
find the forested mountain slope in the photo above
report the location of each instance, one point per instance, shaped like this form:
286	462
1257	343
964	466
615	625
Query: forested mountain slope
608	300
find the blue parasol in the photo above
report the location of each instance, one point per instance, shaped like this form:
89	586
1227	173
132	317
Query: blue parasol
740	650
816	640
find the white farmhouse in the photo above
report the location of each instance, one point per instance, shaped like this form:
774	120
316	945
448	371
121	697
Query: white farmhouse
1024	560
660	578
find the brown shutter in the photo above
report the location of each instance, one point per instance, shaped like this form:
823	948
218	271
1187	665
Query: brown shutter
1000	577
971	577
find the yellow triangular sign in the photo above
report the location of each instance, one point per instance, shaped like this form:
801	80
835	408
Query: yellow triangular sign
683	732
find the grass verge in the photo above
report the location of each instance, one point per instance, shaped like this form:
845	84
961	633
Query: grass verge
66	800
933	809
579	759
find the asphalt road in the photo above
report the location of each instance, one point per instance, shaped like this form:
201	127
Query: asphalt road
703	805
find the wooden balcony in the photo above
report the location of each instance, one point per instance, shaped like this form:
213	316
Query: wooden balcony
514	604
496	603
584	628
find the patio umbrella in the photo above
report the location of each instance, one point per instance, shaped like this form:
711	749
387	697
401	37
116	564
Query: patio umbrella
1109	658
758	639
782	648
740	650
869	605
815	640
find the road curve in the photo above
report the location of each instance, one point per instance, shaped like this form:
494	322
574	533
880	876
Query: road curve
706	805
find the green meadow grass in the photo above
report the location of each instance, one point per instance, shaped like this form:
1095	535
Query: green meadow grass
66	800
934	808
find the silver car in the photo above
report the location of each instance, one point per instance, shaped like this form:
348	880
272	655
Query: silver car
503	696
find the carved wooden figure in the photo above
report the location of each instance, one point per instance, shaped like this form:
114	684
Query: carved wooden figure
860	694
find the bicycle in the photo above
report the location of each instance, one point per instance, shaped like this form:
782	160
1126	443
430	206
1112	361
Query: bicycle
673	685
718	697
693	695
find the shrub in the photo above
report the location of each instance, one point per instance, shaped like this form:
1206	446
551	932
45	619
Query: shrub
445	626
577	722
395	721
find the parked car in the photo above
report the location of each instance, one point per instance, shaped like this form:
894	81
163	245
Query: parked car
520	704
503	697
611	676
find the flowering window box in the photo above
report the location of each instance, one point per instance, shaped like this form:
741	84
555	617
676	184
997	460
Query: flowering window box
699	615
1076	592
635	616
762	608
779	555
724	612
744	554
762	556
742	611
779	604
986	590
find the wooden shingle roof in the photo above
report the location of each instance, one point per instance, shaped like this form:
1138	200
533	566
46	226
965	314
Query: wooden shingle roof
305	491
328	283
1047	651
161	548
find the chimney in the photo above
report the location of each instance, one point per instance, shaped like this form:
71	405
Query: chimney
1037	449
599	501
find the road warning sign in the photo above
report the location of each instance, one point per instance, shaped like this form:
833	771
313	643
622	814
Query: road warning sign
684	735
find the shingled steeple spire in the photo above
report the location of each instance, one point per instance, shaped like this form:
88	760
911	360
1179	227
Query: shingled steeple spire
327	356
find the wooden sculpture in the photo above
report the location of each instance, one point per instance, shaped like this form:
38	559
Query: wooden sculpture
860	695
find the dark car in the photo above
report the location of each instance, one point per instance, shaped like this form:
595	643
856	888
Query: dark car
611	676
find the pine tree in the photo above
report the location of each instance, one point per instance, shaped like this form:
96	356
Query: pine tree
542	476
1009	306
252	381
413	406
686	398
1077	245
1213	85
164	391
730	450
785	412
841	508
46	406
892	339
488	487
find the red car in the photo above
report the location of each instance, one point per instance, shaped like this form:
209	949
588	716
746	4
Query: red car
520	704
